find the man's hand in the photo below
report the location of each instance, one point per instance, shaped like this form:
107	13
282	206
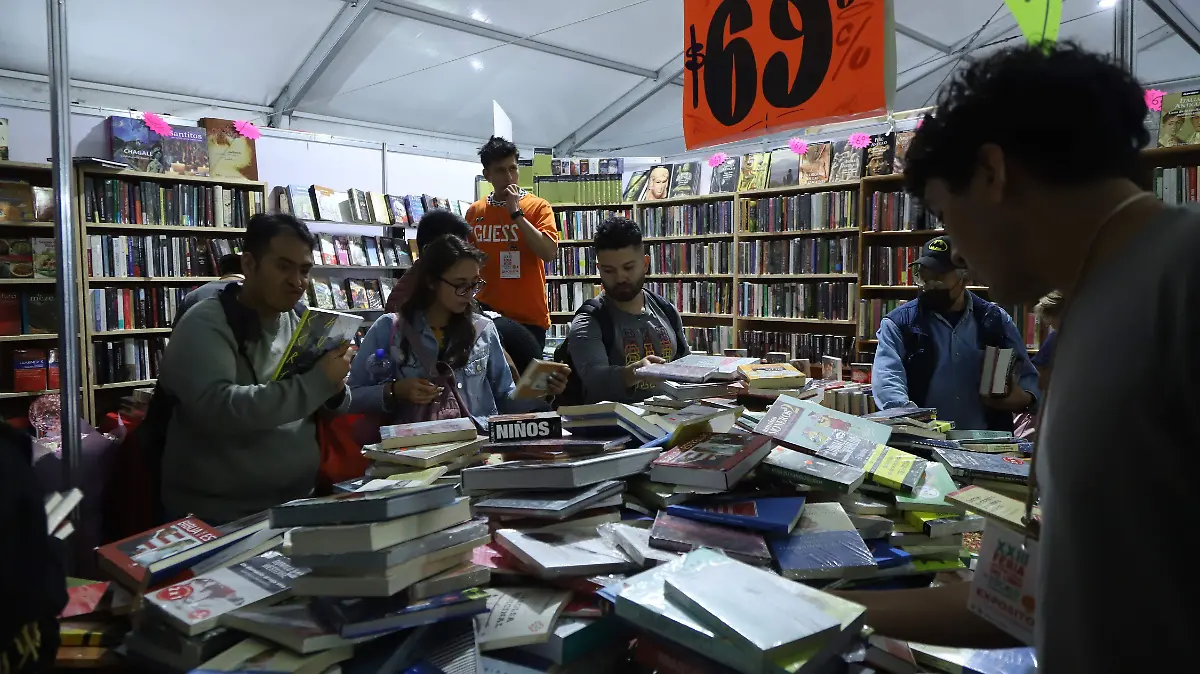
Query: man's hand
335	364
416	391
630	377
1017	400
512	197
556	383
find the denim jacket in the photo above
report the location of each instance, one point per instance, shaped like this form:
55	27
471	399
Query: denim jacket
485	382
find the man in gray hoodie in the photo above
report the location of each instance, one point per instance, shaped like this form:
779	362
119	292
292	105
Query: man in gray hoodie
238	442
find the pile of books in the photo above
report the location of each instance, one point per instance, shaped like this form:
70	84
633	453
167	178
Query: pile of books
411	455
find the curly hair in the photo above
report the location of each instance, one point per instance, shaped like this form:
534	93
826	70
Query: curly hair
1002	100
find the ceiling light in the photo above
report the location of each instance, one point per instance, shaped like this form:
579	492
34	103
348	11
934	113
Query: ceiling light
1107	4
477	64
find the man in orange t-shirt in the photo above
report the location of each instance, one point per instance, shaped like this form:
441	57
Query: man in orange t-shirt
517	232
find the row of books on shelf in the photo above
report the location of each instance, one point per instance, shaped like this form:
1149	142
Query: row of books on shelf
900	212
709	340
138	308
316	202
351	293
813	211
814	347
570	295
157	255
682	257
1176	185
28	312
129	359
589	189
713	217
23	202
580	225
362	251
821	301
889	265
809	255
34	370
28	257
150	202
696	297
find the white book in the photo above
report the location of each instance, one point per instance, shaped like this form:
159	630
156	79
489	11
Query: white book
518	616
553	554
378	535
253	655
426	433
562	475
390	581
425	456
635	542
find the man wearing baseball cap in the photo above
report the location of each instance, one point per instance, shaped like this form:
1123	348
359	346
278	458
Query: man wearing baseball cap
931	349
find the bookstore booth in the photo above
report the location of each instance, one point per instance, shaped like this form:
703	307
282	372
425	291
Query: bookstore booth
128	180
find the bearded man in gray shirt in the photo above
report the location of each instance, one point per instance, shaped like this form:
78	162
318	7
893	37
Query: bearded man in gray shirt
1039	202
643	327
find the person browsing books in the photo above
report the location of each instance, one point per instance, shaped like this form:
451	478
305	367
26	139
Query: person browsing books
931	349
230	269
1058	203
516	230
439	324
238	442
627	327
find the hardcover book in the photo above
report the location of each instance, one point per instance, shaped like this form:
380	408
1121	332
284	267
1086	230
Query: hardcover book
754	171
40	311
725	177
328	203
230	154
318	332
785	168
879	154
824	545
357	294
16	201
379	208
399	214
685	179
522	427
846	164
810	471
16	258
713	460
815	164
777	515
681	535
183	152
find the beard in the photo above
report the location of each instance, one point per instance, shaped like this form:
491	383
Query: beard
623	292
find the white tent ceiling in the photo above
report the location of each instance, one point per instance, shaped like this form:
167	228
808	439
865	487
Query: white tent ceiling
601	71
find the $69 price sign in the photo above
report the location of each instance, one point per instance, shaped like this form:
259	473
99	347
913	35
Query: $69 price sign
760	66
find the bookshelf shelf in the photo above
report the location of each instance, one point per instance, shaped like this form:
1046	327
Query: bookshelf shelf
338	223
889	178
23	166
793	277
152	279
28	338
718	277
687	237
981	289
24	394
592	207
131	332
802	232
810	321
356	267
713	316
799	189
573	278
28	224
169	177
124	384
699	198
907	232
166	228
24	281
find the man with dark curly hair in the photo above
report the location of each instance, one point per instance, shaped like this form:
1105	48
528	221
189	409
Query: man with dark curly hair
1037	202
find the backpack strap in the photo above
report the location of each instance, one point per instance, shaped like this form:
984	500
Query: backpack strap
595	309
242	321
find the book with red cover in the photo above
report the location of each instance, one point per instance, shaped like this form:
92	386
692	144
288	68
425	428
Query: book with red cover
10	312
712	460
682	535
84	598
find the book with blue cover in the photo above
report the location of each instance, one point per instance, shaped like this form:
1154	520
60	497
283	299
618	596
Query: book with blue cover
824	545
777	515
887	557
355	617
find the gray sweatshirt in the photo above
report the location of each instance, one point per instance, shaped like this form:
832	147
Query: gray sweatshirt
634	337
233	447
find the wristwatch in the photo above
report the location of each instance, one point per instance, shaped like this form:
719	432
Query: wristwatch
517	214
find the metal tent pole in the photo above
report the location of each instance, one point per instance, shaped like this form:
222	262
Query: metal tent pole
1124	50
70	371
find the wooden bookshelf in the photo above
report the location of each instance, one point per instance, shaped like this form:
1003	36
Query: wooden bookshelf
214	232
42	337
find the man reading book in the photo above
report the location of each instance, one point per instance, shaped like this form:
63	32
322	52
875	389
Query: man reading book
237	442
642	328
1057	202
931	349
517	232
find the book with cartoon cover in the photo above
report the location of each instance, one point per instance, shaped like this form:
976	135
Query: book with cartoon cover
637	180
754	171
358	294
319	331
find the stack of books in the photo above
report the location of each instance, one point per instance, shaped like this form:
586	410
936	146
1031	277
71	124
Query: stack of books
418	454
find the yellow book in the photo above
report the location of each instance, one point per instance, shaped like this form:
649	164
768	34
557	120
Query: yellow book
893	468
772	375
993	506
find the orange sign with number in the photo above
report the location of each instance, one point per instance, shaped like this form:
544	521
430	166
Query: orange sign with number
755	67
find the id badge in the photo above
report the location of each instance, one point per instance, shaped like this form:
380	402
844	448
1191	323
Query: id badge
510	264
1004	589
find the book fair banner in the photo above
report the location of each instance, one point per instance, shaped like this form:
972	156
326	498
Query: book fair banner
755	67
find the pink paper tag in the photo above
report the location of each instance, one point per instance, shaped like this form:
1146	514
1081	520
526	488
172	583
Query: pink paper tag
1154	99
798	145
156	124
859	141
247	129
717	159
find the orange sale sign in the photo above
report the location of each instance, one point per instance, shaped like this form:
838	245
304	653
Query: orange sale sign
759	66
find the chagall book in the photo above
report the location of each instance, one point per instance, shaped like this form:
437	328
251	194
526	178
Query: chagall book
183	152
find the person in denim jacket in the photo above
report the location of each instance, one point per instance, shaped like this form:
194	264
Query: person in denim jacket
442	313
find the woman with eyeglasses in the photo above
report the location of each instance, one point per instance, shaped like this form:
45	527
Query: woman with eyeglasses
443	317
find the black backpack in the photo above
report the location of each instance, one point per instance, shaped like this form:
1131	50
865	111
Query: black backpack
574	393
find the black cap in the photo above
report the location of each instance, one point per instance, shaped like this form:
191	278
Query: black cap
935	255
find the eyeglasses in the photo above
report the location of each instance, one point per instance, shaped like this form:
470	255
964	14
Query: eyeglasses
471	289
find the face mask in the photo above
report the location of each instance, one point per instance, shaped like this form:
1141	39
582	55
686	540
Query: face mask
936	299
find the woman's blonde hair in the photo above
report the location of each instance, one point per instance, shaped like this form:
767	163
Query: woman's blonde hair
1050	306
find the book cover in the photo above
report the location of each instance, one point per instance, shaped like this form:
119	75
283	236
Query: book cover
879	155
40	312
319	331
681	535
846	164
43	204
802	469
808	425
230	154
358	617
3	139
196	604
930	494
45	258
374	299
358	256
329	254
518	616
633	188
327	202
815	164
16	201
29	369
1180	120
725	176
535	379
301	202
884	465
341	246
785	168
563	552
380	211
387	251
10	312
371	249
130	559
399	434
414	207
395	206
900	151
970	465
777	515
824	545
322	296
551	504
357	294
526	426
993	506
685	179
16	258
716	452
340	302
183	152
386	285
831	368
658	183
772	375
754	171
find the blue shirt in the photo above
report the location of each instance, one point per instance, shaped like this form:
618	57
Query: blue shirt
954	386
484	382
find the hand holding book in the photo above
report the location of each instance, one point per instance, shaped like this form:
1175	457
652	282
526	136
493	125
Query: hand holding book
1016	399
335	364
631	376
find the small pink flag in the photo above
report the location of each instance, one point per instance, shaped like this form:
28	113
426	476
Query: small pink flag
156	124
247	129
798	145
717	159
859	141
